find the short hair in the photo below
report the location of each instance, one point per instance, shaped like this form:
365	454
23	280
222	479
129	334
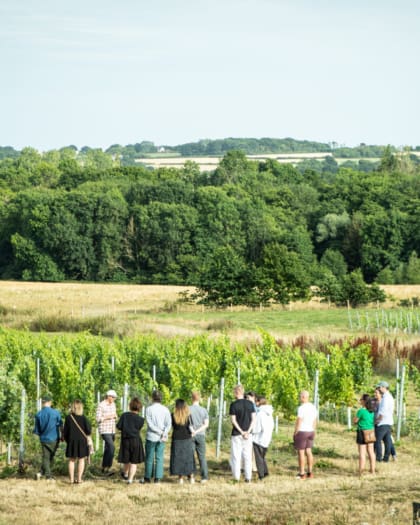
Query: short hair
157	396
77	407
238	389
251	393
135	405
367	400
261	400
195	396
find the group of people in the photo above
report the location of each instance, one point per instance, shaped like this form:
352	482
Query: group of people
374	421
252	429
188	424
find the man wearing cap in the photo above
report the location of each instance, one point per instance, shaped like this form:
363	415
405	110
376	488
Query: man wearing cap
384	422
106	415
48	426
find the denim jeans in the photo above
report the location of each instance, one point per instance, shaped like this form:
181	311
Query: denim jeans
109	450
154	459
383	433
199	447
48	452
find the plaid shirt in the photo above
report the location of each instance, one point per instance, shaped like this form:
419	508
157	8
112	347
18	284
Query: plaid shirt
103	410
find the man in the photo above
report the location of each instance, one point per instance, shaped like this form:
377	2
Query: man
242	413
200	422
48	426
384	422
159	424
304	435
106	415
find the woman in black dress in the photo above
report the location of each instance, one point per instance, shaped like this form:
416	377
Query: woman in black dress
131	448
182	452
76	428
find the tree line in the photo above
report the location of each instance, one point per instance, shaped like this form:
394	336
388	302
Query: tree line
250	232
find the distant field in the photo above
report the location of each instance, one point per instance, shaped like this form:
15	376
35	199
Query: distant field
156	309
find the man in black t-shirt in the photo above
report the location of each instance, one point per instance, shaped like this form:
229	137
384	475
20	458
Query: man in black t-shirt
242	413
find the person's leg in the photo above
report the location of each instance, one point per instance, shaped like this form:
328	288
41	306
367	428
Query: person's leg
150	459
108	451
131	472
264	452
247	456
301	461
259	460
388	443
236	456
160	452
380	432
372	459
362	458
48	451
80	469
199	442
71	469
309	459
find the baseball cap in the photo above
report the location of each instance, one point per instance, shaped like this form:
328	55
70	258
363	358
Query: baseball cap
383	383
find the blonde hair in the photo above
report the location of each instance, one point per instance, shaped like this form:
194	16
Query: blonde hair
181	412
77	407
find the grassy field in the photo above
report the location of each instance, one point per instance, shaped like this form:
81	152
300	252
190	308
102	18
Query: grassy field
335	496
131	309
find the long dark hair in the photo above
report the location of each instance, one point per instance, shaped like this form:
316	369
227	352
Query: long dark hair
368	401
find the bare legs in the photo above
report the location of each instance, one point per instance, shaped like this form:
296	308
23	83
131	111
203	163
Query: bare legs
362	458
309	458
80	469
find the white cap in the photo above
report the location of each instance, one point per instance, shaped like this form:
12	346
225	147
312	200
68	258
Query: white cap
112	393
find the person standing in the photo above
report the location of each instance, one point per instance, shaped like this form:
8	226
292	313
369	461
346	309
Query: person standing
243	415
200	422
131	447
262	434
75	432
365	419
106	415
158	420
384	422
48	426
182	453
304	435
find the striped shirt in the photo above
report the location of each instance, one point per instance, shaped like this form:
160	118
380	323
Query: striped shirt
104	410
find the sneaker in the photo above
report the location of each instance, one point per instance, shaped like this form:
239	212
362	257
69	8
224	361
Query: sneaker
144	480
38	476
124	475
300	476
192	480
204	481
157	480
181	481
247	481
50	478
129	481
310	475
394	458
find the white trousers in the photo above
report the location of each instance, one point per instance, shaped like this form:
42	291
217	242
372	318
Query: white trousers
241	453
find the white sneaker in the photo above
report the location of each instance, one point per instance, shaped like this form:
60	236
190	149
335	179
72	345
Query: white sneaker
38	476
192	480
181	481
204	481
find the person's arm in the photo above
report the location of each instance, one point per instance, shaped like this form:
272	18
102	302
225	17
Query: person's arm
298	424
98	416
167	426
203	427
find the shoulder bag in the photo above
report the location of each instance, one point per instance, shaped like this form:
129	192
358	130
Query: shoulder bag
369	436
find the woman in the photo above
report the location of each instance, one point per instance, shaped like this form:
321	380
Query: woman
182	453
75	432
365	419
262	434
131	447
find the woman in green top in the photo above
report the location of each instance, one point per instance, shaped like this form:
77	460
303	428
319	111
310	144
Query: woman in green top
365	419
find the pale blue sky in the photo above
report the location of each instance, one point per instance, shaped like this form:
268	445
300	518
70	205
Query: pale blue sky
90	72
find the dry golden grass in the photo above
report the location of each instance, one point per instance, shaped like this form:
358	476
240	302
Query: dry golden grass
335	496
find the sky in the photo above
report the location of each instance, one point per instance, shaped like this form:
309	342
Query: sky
100	72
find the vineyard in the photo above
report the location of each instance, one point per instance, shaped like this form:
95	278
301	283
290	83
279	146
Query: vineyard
84	366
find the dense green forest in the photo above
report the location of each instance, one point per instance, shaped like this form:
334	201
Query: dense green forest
248	232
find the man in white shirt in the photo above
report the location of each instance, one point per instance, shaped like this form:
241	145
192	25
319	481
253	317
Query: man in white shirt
384	422
304	434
